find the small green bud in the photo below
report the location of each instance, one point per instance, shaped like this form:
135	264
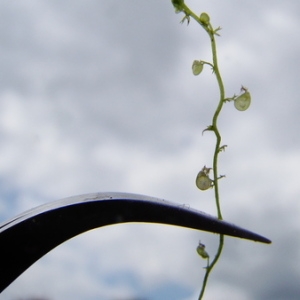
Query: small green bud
201	251
178	5
204	18
177	2
243	101
197	67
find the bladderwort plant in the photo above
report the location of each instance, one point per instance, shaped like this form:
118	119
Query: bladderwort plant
241	103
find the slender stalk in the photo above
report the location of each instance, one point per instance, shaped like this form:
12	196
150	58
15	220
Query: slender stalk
210	267
214	127
211	32
216	154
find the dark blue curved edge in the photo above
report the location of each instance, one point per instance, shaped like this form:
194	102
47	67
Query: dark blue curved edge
29	236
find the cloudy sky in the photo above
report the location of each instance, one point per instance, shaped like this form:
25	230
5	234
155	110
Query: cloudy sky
99	96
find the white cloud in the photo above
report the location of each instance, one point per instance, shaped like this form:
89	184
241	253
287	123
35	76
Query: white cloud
101	97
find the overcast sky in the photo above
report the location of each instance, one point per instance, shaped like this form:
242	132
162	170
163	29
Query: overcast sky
99	96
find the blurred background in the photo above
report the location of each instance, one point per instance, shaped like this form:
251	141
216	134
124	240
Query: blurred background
99	96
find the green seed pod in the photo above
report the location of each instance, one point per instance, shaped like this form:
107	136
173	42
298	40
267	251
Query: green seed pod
203	182
243	101
197	67
201	251
204	18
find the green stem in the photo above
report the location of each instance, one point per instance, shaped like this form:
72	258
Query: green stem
210	267
214	123
211	32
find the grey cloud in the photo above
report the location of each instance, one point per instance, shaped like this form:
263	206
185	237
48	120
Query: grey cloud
100	95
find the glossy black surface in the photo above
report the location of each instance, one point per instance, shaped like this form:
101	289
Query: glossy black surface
27	237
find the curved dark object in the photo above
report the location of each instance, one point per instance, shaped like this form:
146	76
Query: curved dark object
27	237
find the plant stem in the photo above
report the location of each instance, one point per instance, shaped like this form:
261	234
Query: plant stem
215	120
211	32
210	267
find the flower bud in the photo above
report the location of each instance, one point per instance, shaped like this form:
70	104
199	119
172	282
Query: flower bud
197	67
201	251
178	5
204	18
